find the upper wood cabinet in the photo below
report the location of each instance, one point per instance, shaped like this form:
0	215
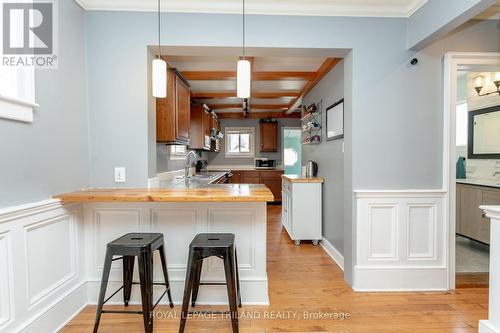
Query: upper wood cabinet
200	127
173	112
268	136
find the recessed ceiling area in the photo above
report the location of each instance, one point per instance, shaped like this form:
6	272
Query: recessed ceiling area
367	8
277	83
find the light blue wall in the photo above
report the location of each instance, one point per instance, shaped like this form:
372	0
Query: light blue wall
50	155
330	157
394	122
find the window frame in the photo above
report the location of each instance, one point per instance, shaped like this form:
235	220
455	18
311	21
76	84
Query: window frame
239	130
15	107
176	155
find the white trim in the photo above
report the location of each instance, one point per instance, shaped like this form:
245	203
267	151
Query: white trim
370	279
306	7
333	252
244	130
454	61
493	212
25	210
398	193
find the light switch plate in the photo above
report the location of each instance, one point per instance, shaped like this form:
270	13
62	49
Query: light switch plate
120	175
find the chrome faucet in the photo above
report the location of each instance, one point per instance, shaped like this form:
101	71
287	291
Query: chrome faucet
187	168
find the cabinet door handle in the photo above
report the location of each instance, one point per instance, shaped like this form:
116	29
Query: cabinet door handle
483	215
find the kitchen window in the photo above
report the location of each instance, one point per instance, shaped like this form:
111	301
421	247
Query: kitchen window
178	152
239	141
17	93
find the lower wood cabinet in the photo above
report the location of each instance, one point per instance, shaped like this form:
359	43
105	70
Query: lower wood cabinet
470	221
270	178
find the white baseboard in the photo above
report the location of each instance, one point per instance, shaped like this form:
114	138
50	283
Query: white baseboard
485	326
400	279
333	252
61	312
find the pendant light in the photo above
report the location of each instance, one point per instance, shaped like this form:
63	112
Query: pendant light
243	72
159	68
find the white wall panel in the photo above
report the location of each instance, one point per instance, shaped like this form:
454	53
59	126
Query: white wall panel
422	231
5	279
111	224
401	241
382	231
179	226
50	255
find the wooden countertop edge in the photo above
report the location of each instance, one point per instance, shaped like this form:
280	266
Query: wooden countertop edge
260	195
303	179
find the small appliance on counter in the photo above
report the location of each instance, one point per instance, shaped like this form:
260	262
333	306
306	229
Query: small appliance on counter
311	169
201	165
264	163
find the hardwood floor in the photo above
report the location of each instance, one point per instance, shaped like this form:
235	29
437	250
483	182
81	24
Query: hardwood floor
306	279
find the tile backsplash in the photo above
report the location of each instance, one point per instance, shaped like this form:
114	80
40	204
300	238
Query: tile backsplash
480	169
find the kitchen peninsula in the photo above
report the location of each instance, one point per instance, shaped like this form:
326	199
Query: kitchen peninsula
180	210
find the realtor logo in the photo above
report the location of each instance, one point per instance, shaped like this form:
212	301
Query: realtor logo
29	33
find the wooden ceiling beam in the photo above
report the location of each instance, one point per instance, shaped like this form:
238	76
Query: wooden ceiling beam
255	94
257	115
325	67
252	106
256	76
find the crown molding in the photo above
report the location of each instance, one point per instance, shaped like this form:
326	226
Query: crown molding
260	7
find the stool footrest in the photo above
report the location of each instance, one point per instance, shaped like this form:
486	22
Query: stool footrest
121	311
212	284
155	284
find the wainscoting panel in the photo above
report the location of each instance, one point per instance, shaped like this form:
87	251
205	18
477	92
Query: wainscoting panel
41	285
5	279
48	242
401	241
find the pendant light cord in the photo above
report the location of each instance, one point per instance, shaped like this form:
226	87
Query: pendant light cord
243	29
159	23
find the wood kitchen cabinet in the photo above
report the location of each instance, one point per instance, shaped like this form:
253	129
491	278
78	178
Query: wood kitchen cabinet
268	136
173	113
270	178
470	221
200	127
250	177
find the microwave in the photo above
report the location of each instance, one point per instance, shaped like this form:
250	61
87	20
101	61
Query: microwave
265	163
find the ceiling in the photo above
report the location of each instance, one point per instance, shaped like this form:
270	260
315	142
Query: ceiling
371	8
278	83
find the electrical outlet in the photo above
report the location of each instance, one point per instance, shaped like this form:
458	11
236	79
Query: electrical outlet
119	175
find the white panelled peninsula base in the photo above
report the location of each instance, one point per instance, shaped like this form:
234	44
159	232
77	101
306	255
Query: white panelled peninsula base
180	222
401	241
51	255
492	325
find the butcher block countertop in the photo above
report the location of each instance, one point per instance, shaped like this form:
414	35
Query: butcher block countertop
209	193
300	179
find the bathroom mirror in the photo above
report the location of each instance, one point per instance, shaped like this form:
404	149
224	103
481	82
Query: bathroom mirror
484	133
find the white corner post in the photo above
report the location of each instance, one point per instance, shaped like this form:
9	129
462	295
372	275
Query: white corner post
492	324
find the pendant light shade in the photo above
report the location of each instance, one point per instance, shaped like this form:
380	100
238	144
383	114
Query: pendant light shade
159	77
243	79
159	68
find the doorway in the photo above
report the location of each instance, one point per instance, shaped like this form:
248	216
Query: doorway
465	245
292	150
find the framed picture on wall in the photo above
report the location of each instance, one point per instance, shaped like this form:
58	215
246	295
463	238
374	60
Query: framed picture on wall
335	121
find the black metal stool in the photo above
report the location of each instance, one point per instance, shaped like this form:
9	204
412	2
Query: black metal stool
204	246
129	246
